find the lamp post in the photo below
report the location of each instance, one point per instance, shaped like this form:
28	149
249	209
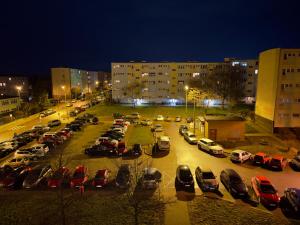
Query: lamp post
64	89
19	88
186	88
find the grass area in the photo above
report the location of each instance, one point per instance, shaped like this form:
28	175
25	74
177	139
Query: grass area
139	134
152	111
93	207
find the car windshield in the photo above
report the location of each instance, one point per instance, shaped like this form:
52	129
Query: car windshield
267	189
212	144
149	177
192	135
208	175
78	175
275	161
186	175
235	154
258	158
235	179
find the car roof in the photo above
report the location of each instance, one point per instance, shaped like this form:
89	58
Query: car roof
206	140
231	172
279	157
238	151
189	132
164	138
183	167
261	154
263	179
204	169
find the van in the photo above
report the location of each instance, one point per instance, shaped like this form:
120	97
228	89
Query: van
163	143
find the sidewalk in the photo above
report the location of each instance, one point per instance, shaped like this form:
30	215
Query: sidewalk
177	213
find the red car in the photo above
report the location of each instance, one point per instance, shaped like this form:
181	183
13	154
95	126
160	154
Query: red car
265	191
261	159
80	176
277	162
59	177
101	178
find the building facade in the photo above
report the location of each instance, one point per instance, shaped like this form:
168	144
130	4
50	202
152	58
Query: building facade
12	86
162	82
72	83
278	89
9	104
250	74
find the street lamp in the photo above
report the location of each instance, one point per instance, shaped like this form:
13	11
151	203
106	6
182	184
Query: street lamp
64	89
19	88
186	88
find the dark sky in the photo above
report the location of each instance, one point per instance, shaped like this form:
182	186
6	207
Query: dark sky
37	35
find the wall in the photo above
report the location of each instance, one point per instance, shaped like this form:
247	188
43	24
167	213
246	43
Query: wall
226	130
9	105
61	77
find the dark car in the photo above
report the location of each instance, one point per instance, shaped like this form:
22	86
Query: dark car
12	177
73	113
5	151
206	179
54	123
80	177
37	176
183	129
189	119
101	178
123	176
112	136
96	150
73	127
292	198
234	183
261	159
295	163
60	177
184	178
136	150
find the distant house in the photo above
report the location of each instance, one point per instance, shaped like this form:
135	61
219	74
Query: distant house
224	128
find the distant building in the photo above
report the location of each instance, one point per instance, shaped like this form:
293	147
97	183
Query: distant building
250	74
104	80
278	89
163	82
9	104
71	83
12	86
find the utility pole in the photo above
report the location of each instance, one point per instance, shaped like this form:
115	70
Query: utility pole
194	114
186	92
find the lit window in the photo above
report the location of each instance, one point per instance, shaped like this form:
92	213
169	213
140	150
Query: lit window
256	71
0	84
196	74
235	63
9	78
117	81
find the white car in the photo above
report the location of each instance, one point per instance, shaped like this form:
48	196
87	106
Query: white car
23	153
146	122
119	130
41	127
160	118
16	162
239	156
151	177
9	145
163	143
178	119
210	146
41	147
157	128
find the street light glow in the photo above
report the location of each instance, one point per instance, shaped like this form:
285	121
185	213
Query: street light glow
63	87
19	88
97	82
186	87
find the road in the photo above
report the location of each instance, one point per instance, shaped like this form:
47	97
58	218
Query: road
7	130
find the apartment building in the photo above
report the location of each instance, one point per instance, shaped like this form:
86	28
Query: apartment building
250	74
11	86
278	89
71	83
161	82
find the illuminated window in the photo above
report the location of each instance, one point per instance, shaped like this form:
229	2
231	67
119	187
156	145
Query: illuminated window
9	78
196	74
256	71
117	81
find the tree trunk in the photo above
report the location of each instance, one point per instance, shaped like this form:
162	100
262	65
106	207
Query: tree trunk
136	215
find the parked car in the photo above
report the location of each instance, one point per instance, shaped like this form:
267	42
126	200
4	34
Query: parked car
239	156
190	137
206	179
60	177
168	119
292	198
54	123
265	191
41	127
113	135
135	115
210	146
101	178
96	150
295	163
160	118
69	104
183	129
277	162
79	177
163	143
21	153
189	120
157	128
150	178
136	150
146	122
16	162
184	178
40	149
12	177
5	151
123	176
178	119
73	113
260	159
73	127
234	183
37	176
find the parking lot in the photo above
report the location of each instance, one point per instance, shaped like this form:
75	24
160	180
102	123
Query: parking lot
181	153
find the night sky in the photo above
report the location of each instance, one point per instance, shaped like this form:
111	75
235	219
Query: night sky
37	35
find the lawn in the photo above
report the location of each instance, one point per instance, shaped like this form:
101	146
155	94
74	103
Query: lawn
139	134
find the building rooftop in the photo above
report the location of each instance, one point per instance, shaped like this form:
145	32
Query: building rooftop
223	118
